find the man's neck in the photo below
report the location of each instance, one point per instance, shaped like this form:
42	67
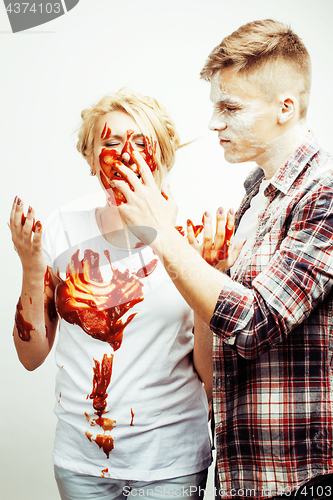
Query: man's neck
281	148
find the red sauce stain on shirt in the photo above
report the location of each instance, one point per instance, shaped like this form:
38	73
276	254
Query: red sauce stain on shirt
147	270
84	299
105	442
101	380
132	417
105	473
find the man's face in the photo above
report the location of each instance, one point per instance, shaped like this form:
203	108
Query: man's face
245	120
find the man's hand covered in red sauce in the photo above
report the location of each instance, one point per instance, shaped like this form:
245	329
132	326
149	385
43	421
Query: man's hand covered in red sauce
216	251
110	159
159	207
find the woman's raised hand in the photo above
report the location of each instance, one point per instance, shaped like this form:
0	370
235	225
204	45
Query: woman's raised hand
217	251
27	236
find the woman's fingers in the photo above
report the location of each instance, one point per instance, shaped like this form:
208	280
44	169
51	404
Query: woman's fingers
27	223
191	236
220	229
37	238
16	215
230	226
207	232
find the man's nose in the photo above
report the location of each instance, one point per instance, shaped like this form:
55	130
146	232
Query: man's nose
217	123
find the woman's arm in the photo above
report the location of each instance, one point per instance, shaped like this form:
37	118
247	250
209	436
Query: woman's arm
203	354
35	318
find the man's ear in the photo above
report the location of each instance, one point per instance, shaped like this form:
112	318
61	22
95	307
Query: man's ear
288	105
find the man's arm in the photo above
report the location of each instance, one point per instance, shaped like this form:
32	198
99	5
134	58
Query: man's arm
252	320
198	282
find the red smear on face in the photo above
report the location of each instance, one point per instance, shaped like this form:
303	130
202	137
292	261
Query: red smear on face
84	299
110	158
106	132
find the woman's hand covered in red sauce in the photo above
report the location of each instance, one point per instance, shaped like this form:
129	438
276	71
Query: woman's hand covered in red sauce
27	237
146	204
216	252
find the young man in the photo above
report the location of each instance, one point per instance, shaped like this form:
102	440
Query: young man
271	320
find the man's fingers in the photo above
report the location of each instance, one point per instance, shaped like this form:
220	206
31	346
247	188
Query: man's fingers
207	231
127	174
146	174
123	187
166	193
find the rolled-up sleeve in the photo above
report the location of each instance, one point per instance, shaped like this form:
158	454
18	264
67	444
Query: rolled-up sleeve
297	279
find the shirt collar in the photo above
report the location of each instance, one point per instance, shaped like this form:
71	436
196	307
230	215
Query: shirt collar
285	177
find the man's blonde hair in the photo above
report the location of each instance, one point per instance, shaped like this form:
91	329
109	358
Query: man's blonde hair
151	117
268	51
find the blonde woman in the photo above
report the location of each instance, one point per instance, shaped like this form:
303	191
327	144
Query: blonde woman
132	412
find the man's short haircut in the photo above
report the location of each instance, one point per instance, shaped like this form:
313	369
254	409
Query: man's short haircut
269	51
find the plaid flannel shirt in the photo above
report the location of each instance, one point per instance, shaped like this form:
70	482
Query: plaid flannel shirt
273	337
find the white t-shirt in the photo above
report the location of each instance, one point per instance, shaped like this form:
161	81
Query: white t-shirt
249	223
154	396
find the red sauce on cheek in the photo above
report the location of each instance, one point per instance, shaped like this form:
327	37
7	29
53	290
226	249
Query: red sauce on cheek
23	327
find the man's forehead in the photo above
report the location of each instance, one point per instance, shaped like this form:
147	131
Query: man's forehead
228	87
220	91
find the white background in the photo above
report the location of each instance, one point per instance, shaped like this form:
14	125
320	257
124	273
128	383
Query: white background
48	75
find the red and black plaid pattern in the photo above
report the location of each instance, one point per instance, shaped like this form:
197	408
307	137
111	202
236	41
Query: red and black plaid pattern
273	339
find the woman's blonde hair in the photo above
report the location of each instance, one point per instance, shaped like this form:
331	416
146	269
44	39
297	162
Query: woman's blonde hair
151	117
